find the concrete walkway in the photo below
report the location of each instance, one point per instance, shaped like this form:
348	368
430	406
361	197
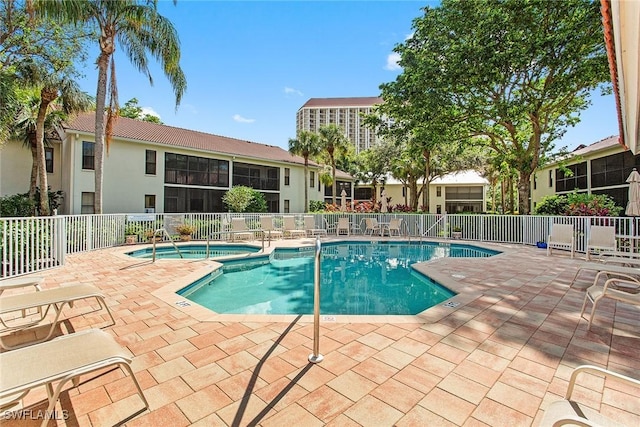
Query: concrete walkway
496	359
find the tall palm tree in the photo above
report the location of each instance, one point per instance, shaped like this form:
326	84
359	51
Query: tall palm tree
306	145
333	141
140	30
37	116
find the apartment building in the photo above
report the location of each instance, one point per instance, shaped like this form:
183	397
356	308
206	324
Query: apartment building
599	168
157	168
347	113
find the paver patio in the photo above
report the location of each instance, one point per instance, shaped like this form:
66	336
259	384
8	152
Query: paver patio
497	359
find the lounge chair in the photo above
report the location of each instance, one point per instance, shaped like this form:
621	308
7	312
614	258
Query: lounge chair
310	227
569	412
22	282
371	226
561	237
60	360
290	228
266	222
393	227
601	238
43	301
343	226
240	230
607	270
624	290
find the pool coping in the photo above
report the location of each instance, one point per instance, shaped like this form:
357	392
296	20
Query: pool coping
464	294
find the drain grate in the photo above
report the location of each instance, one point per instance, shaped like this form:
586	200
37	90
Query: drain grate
451	304
183	304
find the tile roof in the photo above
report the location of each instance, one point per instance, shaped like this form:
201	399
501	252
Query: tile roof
607	142
343	102
138	130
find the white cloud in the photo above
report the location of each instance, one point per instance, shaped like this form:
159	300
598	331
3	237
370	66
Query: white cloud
292	91
392	62
149	111
238	118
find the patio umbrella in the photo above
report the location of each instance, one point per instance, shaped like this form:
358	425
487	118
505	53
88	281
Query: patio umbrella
633	206
343	200
383	200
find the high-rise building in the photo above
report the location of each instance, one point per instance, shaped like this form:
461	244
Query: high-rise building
347	113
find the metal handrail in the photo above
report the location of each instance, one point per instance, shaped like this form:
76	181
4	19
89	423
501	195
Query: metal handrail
155	233
316	357
442	218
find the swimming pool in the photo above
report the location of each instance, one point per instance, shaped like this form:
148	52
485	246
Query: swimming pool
194	251
356	278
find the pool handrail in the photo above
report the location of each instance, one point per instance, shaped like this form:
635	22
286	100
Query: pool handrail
316	357
166	233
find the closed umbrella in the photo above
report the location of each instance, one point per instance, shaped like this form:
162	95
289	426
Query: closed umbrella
343	200
633	206
383	206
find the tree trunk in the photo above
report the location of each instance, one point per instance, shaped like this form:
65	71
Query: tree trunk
33	183
427	172
101	95
47	95
524	188
306	184
512	202
502	196
333	184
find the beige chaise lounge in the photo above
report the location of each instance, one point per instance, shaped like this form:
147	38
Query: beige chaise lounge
601	238
569	412
310	227
60	360
627	291
561	237
43	301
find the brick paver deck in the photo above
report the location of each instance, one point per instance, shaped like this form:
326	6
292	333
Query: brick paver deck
497	359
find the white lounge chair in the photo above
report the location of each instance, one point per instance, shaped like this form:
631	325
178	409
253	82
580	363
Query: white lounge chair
266	222
310	227
624	290
393	226
343	226
371	226
601	238
607	270
60	360
561	237
569	412
290	228
240	230
43	301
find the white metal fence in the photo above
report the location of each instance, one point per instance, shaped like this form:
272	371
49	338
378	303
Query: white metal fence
28	245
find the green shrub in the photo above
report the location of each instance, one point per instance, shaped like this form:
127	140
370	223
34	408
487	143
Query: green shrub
243	199
578	204
316	206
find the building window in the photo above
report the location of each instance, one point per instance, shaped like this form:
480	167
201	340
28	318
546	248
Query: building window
439	209
149	203
404	191
150	162
48	159
613	170
286	206
312	179
287	176
88	155
87	203
551	178
188	199
363	193
535	181
257	177
572	177
439	191
191	170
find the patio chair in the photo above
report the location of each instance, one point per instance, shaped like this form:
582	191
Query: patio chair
240	230
625	290
601	238
570	412
343	226
266	222
290	228
607	270
371	226
22	282
393	227
43	301
60	360
310	226
561	237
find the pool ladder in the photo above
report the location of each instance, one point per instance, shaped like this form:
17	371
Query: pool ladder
316	357
158	233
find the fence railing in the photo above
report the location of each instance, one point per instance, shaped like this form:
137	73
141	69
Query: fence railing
29	245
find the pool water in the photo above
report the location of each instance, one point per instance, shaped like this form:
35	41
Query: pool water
356	278
194	251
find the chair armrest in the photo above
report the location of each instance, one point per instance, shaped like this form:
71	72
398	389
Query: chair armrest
596	370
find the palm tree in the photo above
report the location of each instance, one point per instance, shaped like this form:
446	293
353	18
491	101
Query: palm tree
140	30
37	116
306	145
333	141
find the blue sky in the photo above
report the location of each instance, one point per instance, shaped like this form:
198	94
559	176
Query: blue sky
250	65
